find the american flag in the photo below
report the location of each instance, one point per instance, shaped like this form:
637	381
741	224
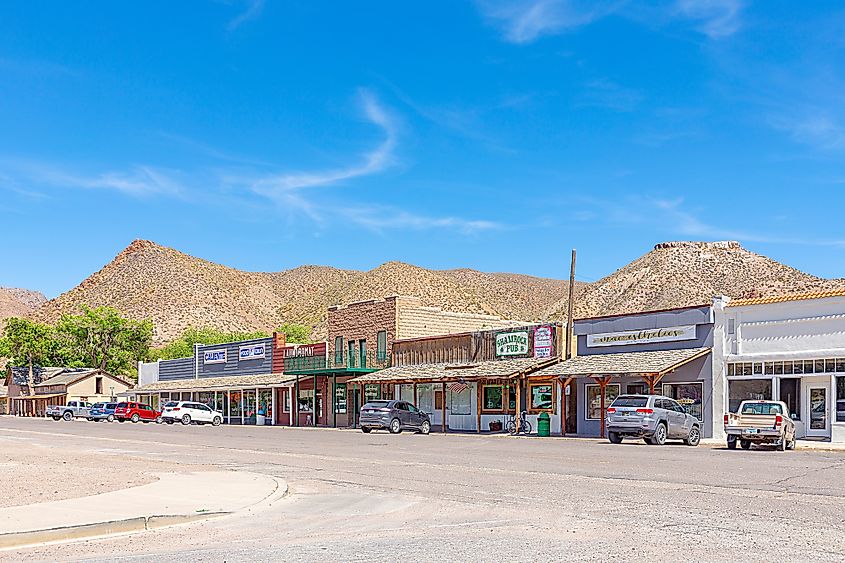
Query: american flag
458	387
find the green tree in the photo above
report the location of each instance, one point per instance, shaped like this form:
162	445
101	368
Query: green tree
103	339
29	343
183	346
295	334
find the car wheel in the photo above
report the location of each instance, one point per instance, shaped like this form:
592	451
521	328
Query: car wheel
159	420
659	437
395	426
614	438
135	417
366	429
110	418
217	421
57	418
731	442
425	428
791	444
169	421
68	416
783	444
89	419
694	437
186	419
745	444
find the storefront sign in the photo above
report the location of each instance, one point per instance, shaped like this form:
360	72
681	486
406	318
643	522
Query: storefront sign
670	334
214	356
305	350
543	342
512	343
251	352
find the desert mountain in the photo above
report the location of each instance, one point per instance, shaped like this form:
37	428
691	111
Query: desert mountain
677	274
175	290
16	302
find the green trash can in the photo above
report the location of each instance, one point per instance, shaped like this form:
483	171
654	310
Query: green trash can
544	424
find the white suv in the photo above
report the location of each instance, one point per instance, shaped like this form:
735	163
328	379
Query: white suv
187	412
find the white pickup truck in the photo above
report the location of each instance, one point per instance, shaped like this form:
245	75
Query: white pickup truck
73	409
760	422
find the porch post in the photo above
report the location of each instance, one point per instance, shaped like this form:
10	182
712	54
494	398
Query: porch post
518	413
478	406
443	407
334	398
415	395
314	410
295	401
603	385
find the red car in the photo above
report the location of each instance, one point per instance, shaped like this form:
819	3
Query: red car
136	412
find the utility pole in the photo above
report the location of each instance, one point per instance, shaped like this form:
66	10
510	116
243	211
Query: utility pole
568	352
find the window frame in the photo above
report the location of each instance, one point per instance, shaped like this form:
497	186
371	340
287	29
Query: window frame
700	384
534	410
607	402
484	409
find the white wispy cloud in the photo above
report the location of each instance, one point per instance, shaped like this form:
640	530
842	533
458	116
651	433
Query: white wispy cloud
383	218
716	18
285	187
523	21
816	128
252	11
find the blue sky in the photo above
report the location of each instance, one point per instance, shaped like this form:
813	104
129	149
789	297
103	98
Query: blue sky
493	134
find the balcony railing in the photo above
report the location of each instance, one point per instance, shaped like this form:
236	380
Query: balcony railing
339	361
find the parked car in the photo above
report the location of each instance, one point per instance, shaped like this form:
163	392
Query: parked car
136	412
102	411
73	409
394	416
187	412
654	418
760	422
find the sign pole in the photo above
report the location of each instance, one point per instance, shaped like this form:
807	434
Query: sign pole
570	328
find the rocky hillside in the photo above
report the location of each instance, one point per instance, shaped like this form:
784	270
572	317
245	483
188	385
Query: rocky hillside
175	290
677	274
16	302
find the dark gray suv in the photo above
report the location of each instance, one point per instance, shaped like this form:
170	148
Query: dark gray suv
654	418
394	416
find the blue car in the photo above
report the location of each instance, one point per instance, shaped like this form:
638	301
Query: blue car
102	411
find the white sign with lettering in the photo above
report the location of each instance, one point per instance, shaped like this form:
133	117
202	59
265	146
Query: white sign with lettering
646	336
214	356
512	343
251	352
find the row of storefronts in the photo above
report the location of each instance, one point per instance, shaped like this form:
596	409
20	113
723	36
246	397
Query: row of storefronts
708	357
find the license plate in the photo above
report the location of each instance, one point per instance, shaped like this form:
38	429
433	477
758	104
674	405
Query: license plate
751	431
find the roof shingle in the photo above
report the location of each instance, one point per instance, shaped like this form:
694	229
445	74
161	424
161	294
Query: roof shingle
492	369
624	363
783	298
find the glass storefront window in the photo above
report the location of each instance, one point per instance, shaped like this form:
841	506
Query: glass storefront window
512	398
340	398
265	403
748	390
249	407
235	403
492	398
840	399
460	403
372	392
206	398
542	396
689	395
593	397
790	393
306	400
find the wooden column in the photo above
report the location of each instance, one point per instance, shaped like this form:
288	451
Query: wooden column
602	381
563	404
415	395
443	407
334	398
478	406
315	413
295	401
518	414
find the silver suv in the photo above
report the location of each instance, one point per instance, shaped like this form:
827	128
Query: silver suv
654	418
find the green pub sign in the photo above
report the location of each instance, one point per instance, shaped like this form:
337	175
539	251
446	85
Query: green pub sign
512	343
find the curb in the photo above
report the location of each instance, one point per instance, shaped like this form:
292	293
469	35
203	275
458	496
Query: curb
29	538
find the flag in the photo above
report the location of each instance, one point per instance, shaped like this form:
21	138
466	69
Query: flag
458	387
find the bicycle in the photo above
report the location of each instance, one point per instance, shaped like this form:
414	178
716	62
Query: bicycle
524	425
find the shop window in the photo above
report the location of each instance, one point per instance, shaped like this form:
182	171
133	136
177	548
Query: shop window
460	403
350	359
265	403
235	403
542	397
512	398
797	367
790	393
362	351
593	398
840	365
820	366
492	398
636	389
688	395
731	369
769	368
338	350
372	392
840	399
438	399
306	400
286	400
777	368
758	368
830	366
381	345
808	366
748	390
340	398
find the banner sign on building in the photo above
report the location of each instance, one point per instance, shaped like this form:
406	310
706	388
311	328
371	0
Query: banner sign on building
214	356
512	343
543	342
251	352
305	350
648	336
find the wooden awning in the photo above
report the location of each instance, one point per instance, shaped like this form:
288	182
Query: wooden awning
444	373
658	362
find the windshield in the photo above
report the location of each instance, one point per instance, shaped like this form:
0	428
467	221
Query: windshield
376	404
122	405
761	408
630	402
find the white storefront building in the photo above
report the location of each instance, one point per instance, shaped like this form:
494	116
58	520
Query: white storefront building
790	349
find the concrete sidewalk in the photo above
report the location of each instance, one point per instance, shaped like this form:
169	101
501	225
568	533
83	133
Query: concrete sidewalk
175	498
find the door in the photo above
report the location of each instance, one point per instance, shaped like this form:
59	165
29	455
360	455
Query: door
416	416
818	424
676	418
362	350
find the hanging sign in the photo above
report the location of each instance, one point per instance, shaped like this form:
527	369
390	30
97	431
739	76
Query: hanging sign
251	352
648	336
543	342
512	343
214	356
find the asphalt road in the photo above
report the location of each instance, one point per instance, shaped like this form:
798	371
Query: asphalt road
358	496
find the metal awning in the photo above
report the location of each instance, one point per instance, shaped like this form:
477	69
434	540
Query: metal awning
36	397
217	383
442	372
655	363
